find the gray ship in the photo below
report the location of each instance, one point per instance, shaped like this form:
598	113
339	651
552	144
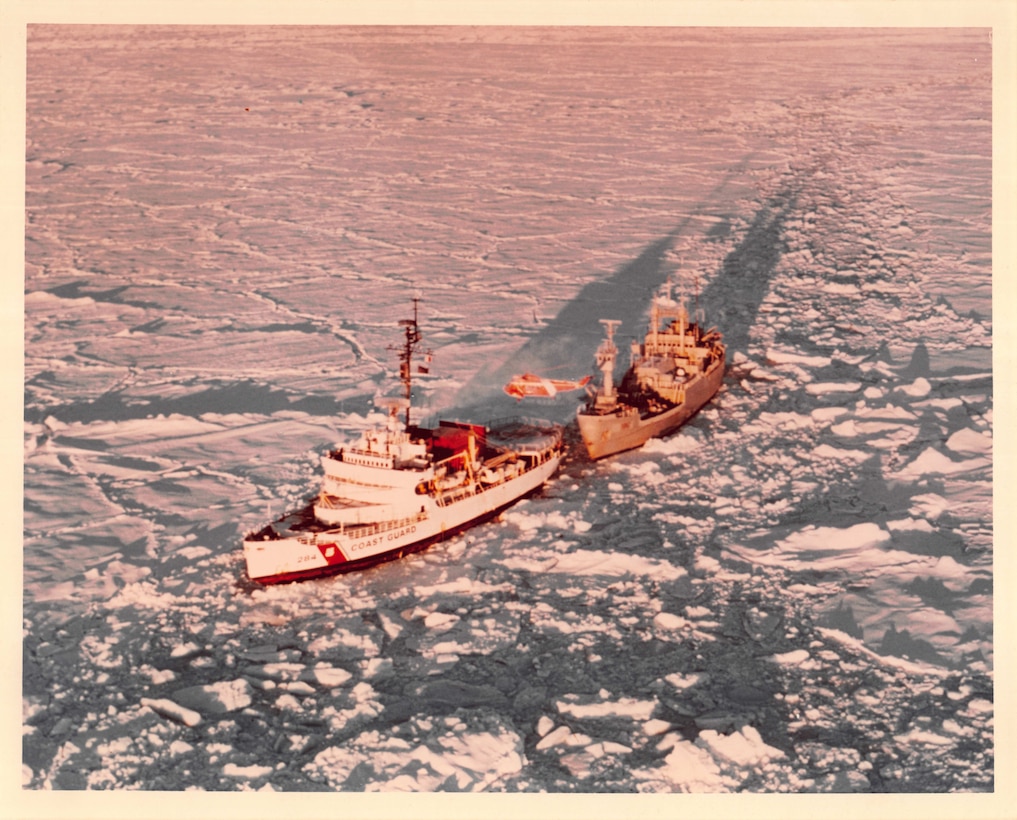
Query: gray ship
675	371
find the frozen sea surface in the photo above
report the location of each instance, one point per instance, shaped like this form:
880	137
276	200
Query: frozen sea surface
793	594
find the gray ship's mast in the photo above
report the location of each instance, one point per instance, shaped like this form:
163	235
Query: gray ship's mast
682	315
606	355
698	317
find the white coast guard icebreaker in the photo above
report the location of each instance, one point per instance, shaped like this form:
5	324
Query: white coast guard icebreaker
401	488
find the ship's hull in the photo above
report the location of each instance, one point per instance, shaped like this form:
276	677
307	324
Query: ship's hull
305	555
615	432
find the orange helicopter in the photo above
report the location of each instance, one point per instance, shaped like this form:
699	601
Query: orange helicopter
529	385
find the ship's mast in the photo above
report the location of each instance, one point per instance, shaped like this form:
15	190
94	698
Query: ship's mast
682	315
606	355
696	316
654	323
413	338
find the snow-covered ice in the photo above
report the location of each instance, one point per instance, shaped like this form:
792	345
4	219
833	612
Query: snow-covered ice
792	594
